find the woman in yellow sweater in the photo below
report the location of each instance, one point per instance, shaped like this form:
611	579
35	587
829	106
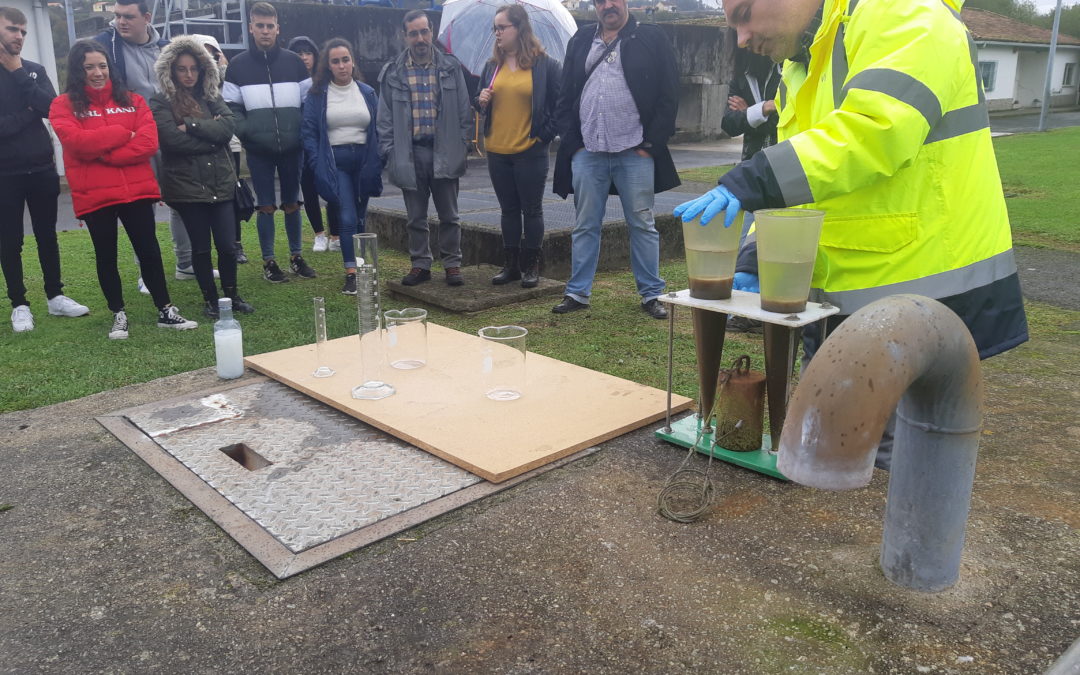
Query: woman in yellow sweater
521	88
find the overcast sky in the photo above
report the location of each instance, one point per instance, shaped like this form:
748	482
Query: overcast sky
1049	5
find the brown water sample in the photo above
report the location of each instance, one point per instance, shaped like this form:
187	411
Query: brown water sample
782	306
713	288
709	341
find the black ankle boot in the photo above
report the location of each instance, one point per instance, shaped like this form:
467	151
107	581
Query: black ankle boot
210	309
530	268
238	303
510	271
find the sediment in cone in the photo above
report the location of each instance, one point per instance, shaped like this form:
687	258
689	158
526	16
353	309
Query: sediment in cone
709	342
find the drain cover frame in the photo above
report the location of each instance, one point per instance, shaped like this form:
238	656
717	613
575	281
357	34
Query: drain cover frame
253	537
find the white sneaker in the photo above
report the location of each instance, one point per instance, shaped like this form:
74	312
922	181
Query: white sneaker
170	318
142	287
119	327
62	305
335	245
321	242
21	319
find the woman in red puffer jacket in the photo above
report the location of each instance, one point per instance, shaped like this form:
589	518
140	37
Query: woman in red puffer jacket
109	136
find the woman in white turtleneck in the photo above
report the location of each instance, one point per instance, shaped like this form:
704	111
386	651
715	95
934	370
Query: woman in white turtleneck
341	144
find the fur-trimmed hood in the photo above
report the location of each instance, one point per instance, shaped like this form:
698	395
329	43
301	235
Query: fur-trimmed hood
185	44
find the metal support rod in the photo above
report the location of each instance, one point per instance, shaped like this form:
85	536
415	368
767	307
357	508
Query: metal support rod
670	364
1049	68
70	16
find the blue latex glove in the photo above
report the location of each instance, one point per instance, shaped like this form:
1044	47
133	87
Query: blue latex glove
709	204
744	281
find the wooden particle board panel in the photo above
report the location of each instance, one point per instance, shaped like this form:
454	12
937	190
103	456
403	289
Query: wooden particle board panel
441	407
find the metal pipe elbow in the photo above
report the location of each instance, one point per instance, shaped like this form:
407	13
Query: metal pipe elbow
901	347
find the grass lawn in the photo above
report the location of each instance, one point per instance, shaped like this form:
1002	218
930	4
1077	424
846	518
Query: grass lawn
64	358
1041	192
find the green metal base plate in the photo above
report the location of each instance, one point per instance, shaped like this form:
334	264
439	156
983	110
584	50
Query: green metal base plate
685	431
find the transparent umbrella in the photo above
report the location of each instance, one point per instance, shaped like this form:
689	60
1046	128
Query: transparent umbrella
465	28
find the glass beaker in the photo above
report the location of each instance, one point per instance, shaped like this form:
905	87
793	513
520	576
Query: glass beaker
787	241
321	369
372	386
711	251
406	337
502	365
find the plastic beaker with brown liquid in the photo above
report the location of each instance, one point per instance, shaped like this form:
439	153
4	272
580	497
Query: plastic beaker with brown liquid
710	256
787	241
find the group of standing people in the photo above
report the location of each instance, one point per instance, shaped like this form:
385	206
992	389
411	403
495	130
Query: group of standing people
143	119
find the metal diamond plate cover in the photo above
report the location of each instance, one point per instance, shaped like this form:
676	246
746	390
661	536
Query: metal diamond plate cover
330	474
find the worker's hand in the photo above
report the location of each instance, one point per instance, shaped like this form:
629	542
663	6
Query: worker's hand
709	204
736	103
744	281
768	108
485	97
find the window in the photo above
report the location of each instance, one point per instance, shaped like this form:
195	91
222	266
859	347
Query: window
1070	75
988	73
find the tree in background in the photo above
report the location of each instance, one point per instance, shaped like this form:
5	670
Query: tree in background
1021	10
1026	11
1070	19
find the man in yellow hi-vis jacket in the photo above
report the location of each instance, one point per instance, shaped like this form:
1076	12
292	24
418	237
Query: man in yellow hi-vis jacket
883	125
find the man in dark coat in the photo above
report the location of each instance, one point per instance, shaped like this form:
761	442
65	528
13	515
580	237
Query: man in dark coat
27	175
751	111
616	112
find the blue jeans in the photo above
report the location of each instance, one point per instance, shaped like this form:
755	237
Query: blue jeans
351	205
262	169
632	174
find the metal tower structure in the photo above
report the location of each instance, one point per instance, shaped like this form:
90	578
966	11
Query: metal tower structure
226	20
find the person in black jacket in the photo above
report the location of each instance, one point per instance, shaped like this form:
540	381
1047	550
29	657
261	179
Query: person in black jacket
751	111
617	107
197	177
264	87
521	89
27	175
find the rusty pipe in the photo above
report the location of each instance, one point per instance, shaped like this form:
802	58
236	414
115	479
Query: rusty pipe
915	351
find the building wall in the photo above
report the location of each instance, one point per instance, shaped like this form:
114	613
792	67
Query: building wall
1004	92
1030	76
1060	94
1021	76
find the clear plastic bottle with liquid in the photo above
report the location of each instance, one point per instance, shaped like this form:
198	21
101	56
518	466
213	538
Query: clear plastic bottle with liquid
228	342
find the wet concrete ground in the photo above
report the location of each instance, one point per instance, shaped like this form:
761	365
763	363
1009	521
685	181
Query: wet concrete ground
105	568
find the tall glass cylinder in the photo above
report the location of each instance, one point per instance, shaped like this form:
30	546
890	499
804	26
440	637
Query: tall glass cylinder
321	369
372	353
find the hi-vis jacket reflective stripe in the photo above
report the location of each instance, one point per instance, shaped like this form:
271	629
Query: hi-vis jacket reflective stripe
886	130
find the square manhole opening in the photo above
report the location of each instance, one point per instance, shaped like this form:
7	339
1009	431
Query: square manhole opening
245	457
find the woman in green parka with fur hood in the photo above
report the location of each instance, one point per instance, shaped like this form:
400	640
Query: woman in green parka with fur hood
197	175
